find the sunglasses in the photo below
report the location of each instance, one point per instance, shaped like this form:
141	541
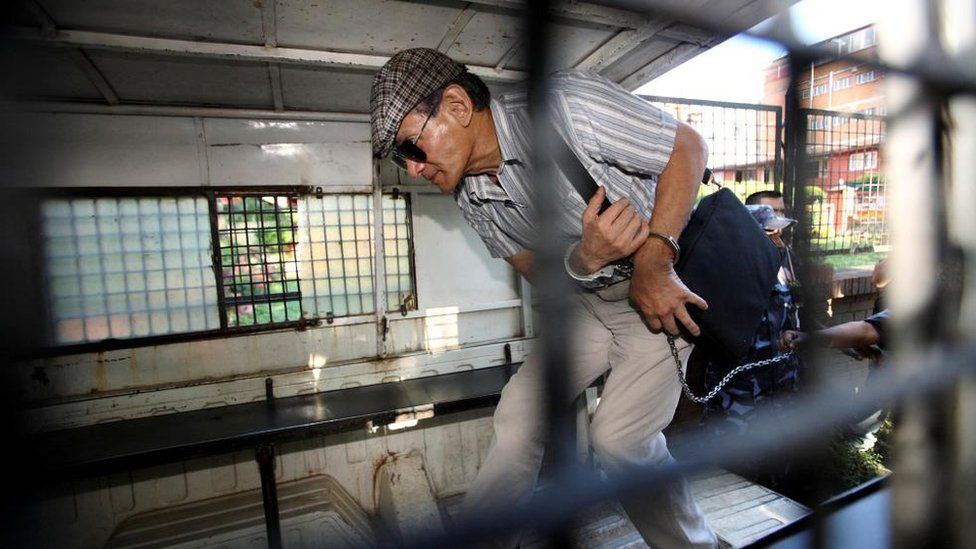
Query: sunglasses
408	149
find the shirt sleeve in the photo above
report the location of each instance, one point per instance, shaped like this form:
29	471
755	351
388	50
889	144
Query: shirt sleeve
880	322
615	126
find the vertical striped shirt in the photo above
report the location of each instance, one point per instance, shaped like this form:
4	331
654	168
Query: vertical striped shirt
623	141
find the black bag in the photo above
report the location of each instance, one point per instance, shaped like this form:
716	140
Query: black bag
726	258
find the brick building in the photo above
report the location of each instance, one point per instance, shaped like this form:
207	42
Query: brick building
845	102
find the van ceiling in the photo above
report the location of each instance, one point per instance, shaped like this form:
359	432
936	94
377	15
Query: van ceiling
316	55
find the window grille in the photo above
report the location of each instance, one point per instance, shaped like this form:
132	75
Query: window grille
128	267
258	265
819	90
398	251
135	267
337	263
842	84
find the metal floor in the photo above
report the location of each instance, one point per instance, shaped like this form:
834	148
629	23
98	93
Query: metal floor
738	510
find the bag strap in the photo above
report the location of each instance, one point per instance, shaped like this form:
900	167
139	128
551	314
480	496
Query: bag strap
574	170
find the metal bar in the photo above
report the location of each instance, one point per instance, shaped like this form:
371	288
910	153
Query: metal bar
379	262
274	79
577	11
456	28
216	260
95	76
622	43
674	57
225	51
557	412
265	456
710	103
175	110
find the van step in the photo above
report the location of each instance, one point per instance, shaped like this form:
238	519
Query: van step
739	511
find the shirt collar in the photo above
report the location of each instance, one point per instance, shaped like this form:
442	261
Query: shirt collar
481	188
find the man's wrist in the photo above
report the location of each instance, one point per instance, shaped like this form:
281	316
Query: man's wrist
656	252
579	262
579	273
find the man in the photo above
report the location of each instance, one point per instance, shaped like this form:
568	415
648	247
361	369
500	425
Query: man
440	123
760	391
773	199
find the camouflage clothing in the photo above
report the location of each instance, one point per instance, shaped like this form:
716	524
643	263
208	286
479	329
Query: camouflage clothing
760	391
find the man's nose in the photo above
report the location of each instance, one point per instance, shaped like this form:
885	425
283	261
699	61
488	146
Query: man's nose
414	168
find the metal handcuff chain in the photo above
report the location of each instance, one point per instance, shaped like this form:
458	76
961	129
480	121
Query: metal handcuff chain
728	377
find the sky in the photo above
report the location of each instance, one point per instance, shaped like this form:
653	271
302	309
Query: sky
733	70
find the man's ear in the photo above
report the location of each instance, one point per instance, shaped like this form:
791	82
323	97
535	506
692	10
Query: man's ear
457	103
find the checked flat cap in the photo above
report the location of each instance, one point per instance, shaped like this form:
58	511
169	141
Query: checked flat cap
402	83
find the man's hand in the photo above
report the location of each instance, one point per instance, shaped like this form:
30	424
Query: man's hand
616	233
659	294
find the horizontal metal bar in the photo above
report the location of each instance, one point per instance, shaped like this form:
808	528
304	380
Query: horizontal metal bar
497	306
840	114
178	110
225	51
711	103
137	192
577	11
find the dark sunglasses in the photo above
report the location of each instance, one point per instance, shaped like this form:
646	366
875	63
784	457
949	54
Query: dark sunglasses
408	149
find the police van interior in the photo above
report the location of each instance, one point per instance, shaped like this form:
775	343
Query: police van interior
227	325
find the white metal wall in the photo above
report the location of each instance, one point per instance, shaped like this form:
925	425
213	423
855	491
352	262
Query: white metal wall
469	304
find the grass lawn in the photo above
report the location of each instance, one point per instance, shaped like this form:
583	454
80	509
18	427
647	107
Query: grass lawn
846	261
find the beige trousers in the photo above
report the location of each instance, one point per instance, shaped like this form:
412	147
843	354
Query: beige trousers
638	402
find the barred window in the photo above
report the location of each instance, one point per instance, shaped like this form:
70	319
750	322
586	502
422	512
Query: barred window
258	266
147	266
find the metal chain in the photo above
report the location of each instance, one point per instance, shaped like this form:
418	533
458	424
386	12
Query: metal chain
728	377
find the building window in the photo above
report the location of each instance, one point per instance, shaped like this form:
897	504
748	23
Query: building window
842	84
819	90
865	77
871	160
856	162
820	122
805	94
867	111
128	267
136	267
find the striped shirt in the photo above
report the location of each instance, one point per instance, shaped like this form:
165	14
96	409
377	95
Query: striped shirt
623	141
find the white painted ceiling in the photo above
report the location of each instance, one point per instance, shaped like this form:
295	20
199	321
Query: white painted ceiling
315	55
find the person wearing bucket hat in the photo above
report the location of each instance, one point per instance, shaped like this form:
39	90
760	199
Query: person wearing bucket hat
436	120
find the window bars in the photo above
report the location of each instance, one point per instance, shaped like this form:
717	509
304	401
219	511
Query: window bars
141	267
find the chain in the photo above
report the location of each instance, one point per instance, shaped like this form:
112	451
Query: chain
737	370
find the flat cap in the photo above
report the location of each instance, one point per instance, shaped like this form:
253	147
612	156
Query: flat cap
767	218
402	83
